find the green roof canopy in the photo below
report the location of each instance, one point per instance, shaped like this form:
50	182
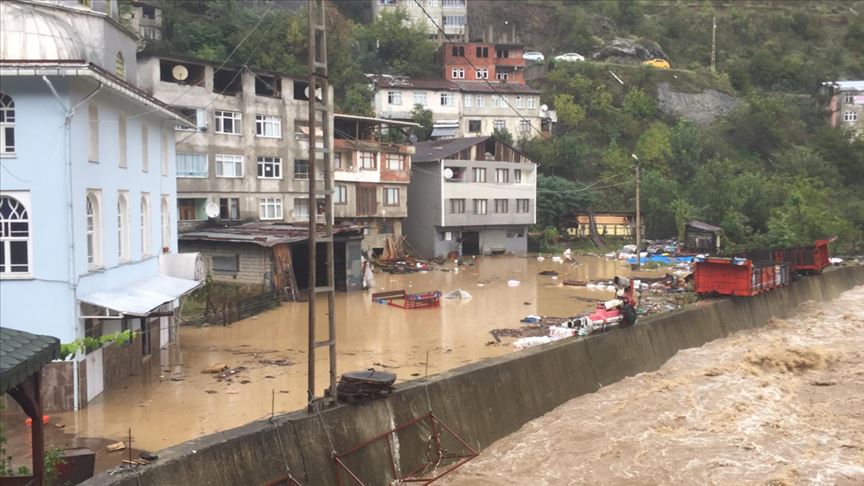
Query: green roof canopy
22	354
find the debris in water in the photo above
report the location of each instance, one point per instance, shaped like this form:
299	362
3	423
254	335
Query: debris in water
229	373
269	376
216	368
117	446
210	392
276	362
245	382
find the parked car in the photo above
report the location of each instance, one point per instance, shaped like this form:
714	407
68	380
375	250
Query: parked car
533	56
658	63
570	57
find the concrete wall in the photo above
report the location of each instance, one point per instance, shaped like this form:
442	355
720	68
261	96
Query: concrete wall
483	401
424	207
255	266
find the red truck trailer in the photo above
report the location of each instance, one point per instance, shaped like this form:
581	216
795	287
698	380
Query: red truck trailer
803	259
738	276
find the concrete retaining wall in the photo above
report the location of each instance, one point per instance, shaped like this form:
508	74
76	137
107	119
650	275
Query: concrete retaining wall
484	401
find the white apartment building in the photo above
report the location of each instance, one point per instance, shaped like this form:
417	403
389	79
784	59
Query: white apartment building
450	15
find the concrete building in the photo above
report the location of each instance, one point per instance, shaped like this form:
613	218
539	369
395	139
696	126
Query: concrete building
475	196
146	19
244	151
845	104
466	108
479	61
450	15
87	235
371	177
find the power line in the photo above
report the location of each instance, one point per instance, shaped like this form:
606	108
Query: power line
491	85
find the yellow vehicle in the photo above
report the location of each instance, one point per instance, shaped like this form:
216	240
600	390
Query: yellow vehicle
657	63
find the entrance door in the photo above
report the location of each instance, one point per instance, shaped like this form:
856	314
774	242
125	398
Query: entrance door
471	243
95	377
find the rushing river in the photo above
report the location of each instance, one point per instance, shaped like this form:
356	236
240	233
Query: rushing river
779	405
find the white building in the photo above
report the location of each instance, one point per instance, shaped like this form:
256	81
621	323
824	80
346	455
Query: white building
466	108
450	15
87	192
845	103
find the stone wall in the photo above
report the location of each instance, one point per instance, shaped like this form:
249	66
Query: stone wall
255	262
483	402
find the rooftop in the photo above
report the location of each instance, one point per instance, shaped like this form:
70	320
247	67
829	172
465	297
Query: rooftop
435	150
22	354
266	234
847	85
498	87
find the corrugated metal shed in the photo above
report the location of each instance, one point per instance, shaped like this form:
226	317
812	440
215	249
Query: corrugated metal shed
266	234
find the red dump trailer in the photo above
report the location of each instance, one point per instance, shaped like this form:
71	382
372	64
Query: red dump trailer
739	276
803	259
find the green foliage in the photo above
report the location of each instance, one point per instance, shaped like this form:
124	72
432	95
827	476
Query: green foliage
422	117
558	199
388	46
90	344
358	100
638	104
503	135
548	239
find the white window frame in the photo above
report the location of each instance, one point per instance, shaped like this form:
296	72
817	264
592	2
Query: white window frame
467	101
421	98
391	196
480	101
146	227
531	102
270	209
520	102
275	164
502	176
21	215
447	99
457	73
7	125
236	118
850	116
299	203
499	124
394	161
524	126
233	210
301	175
340	194
394	98
234	161
502	76
268	126
93	220
478	174
498	101
482	74
480	206
848	98
517	176
123	231
183	159
366	160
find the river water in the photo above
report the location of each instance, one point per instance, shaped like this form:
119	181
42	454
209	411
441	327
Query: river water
779	405
178	402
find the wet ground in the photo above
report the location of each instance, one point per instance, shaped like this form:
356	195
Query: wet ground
780	405
178	402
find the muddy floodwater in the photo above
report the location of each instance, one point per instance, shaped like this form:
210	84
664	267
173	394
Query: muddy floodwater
780	405
178	402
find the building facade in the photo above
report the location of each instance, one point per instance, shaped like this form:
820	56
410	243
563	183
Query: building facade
87	233
244	153
371	177
473	196
464	109
481	61
146	19
845	104
449	15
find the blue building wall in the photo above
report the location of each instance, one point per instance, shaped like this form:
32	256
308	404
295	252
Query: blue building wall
46	302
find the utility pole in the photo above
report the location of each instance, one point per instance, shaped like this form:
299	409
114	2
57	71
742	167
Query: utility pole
714	45
319	114
638	219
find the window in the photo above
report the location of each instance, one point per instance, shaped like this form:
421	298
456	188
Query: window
502	176
367	160
164	154
520	102
531	102
268	126
145	149
188	208
446	99
301	169
848	98
474	126
191	165
501	52
522	206
146	233
420	98
850	116
119	64
122	139
301	209
458	51
229	208
457	206
454	20
498	101
394	97
479	174
93	113
468	101
229	165
270	208
367	200
94	230
269	167
123	227
481	51
14	237
524	126
196	116
337	161
502	76
391	196
229	122
166	224
340	195
452	3
457	73
482	74
499	125
479	206
394	162
501	205
226	264
481	101
517	176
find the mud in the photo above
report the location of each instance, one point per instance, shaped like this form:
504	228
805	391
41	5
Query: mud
783	404
177	402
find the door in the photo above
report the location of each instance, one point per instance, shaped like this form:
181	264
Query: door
471	243
95	377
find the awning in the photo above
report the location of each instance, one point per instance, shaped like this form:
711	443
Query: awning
141	297
22	354
444	132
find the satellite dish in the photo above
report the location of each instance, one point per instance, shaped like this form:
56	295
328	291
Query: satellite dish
180	72
448	173
412	138
544	108
318	93
212	210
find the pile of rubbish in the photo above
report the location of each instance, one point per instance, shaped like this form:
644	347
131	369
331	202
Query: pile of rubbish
361	386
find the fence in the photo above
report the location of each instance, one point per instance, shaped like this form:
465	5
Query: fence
236	310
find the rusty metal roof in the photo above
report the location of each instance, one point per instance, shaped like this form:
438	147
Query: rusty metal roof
266	234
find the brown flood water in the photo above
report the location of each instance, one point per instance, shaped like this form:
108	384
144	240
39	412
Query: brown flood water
781	405
162	412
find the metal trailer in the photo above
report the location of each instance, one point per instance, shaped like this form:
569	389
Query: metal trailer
803	259
739	276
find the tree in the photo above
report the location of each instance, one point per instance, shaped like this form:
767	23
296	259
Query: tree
357	101
685	150
422	117
389	45
503	135
653	147
639	104
558	199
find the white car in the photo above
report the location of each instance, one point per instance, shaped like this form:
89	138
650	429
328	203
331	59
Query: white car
570	57
533	56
